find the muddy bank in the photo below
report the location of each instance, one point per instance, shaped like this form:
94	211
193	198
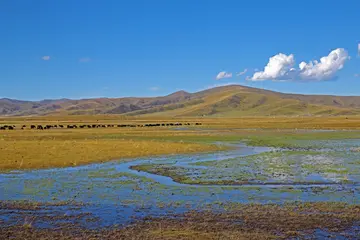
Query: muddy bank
231	221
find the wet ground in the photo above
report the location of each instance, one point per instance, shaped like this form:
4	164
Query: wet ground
103	195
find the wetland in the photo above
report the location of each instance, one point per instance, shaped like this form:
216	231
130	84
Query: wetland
247	184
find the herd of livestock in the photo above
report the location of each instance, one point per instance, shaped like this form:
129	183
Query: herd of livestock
72	126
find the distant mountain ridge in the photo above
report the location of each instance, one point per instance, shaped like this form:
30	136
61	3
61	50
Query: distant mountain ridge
226	101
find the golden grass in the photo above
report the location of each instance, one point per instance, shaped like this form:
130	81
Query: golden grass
338	122
43	149
26	149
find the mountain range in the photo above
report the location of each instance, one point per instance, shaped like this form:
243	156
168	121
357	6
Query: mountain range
225	101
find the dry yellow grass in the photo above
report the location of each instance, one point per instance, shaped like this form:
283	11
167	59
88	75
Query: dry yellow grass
26	149
338	122
45	149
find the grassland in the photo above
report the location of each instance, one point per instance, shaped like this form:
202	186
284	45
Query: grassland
233	219
35	149
29	149
275	122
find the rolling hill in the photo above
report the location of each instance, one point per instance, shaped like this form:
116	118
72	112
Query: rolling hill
226	101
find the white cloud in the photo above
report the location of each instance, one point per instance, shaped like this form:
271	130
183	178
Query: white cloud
222	75
154	88
277	68
280	67
45	58
242	73
326	68
358	49
85	59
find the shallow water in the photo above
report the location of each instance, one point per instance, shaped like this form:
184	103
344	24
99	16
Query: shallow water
351	233
116	194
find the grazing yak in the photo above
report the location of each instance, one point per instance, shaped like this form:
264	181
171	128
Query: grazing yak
40	127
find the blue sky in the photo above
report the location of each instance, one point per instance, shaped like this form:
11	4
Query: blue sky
83	49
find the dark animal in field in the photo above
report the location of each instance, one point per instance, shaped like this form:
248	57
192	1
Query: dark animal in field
40	127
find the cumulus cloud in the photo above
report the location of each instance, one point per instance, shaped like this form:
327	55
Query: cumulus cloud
222	75
45	58
281	67
85	59
326	68
154	88
242	73
278	67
